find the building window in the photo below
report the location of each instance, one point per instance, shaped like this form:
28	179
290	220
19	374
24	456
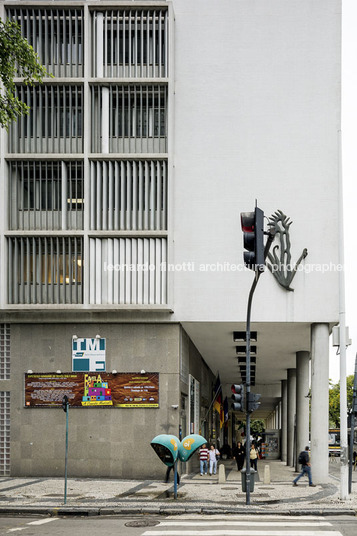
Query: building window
134	42
46	195
138	111
56	36
54	122
45	270
137	119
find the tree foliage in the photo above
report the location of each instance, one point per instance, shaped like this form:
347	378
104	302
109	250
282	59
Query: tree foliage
17	59
334	400
257	427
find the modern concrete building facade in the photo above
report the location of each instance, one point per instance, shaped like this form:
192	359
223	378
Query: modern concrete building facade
120	217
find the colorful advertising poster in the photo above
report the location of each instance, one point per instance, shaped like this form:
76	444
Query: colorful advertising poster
121	390
88	355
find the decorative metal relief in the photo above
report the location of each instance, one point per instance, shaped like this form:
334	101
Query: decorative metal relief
280	255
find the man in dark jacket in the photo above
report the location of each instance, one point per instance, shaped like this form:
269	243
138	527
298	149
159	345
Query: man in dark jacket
304	459
239	455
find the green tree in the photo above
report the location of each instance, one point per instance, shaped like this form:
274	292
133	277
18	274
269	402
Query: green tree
17	59
334	400
257	427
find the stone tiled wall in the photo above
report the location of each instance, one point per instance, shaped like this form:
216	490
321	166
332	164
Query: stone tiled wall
102	442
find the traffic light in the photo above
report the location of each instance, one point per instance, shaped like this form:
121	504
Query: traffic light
253	238
238	397
354	405
253	402
65	403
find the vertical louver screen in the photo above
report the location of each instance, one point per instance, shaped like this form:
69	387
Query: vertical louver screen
130	43
45	270
46	195
128	271
56	35
102	192
128	195
137	119
54	123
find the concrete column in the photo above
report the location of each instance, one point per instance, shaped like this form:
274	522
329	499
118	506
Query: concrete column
277	418
291	415
319	402
302	401
284	419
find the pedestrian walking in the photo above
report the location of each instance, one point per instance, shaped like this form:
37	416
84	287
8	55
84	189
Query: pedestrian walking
203	457
253	456
239	455
167	476
213	457
304	460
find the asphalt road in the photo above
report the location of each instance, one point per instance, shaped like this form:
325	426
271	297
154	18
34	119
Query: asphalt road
189	525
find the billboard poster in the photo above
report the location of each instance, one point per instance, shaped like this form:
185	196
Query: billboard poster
120	390
88	355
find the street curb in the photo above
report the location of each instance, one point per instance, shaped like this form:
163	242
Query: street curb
168	511
325	512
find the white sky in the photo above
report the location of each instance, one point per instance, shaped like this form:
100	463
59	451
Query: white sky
349	173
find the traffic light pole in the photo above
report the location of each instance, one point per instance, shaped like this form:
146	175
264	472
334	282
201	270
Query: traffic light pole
258	273
65	406
175	480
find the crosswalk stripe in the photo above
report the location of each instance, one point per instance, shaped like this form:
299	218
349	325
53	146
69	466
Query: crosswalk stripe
39	522
43	521
226	532
242	517
209	523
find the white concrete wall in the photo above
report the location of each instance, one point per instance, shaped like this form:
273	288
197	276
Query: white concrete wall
257	115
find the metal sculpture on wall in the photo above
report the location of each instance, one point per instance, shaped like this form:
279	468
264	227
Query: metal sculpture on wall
281	266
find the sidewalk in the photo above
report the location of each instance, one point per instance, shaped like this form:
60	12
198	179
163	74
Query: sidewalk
196	494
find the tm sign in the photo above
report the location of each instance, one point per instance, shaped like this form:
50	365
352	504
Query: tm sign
88	355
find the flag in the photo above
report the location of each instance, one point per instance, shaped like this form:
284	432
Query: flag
217	395
217	404
225	409
221	417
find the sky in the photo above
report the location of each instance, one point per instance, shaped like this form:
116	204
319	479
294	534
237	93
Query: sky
349	178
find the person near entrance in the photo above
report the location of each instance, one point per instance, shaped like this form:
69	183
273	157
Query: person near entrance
213	458
203	456
253	456
239	455
167	476
304	459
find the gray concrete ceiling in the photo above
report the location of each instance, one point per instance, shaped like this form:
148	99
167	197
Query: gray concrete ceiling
277	344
